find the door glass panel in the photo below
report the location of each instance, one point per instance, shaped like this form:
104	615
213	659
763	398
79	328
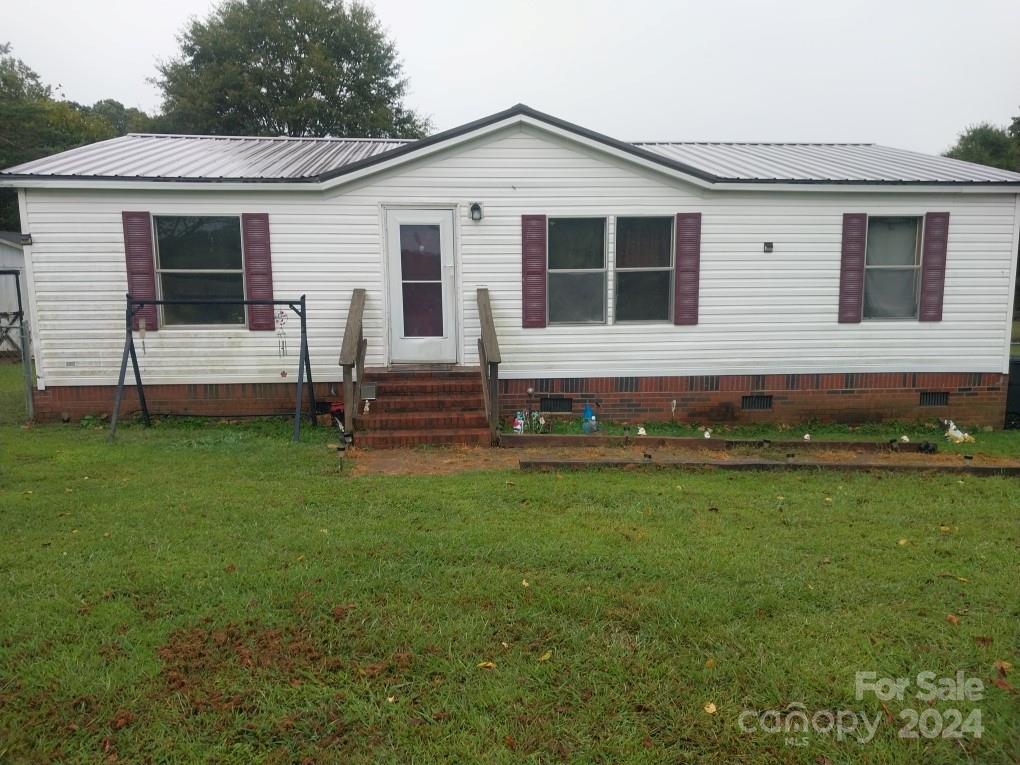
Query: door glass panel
423	309
421	273
420	258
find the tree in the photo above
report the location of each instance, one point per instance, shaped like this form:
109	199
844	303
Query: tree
291	67
33	124
987	144
123	119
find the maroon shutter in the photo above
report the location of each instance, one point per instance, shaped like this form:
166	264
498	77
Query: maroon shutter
933	265
687	266
533	271
851	268
141	265
258	270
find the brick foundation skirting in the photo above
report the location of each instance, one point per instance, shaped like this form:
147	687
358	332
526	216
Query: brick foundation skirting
221	399
974	398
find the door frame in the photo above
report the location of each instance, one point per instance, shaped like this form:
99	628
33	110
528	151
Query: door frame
457	285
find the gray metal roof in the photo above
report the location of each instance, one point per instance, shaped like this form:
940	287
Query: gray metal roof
234	158
825	162
177	157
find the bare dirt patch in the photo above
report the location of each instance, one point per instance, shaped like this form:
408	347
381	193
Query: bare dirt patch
460	459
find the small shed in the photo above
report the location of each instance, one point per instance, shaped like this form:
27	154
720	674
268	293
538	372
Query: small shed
11	258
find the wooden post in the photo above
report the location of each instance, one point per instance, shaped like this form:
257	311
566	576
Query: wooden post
352	357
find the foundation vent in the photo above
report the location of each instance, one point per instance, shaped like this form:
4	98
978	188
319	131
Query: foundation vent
757	402
557	404
934	398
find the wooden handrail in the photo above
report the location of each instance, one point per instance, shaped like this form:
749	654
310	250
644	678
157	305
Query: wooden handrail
489	359
352	332
352	357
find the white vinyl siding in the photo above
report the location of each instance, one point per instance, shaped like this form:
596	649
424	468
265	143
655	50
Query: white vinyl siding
759	313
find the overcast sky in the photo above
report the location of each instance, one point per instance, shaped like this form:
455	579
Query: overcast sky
908	73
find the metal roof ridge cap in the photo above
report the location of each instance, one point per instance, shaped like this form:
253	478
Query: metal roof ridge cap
295	138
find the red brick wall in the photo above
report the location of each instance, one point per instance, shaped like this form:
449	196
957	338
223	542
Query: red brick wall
225	399
974	398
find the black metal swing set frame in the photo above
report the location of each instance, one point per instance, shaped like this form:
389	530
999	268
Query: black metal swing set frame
135	305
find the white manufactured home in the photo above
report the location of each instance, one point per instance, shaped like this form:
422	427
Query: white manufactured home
695	281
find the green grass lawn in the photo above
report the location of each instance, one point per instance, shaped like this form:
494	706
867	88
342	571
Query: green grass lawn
217	594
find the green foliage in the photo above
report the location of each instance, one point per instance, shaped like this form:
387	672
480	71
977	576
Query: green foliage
34	123
987	144
17	80
292	67
121	118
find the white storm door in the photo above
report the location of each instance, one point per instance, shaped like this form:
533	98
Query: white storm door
423	316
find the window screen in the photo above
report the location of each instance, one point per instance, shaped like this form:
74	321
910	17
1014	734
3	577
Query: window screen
199	258
892	268
577	270
644	269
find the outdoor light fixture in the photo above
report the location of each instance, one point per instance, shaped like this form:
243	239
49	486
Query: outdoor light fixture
768	247
476	211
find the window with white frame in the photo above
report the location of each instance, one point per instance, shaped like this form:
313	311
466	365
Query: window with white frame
892	267
577	270
644	269
199	257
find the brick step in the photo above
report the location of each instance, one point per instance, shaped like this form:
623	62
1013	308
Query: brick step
420	420
457	402
395	439
428	387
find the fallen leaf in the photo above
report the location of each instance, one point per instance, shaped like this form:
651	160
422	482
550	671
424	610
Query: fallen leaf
710	708
122	719
709	663
524	583
340	612
903	542
510	742
505	644
999	682
545	656
953	619
391	699
1003	667
982	640
947	575
945	529
888	712
486	665
822	760
647	742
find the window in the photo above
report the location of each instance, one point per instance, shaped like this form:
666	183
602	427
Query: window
577	270
199	258
644	269
892	268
